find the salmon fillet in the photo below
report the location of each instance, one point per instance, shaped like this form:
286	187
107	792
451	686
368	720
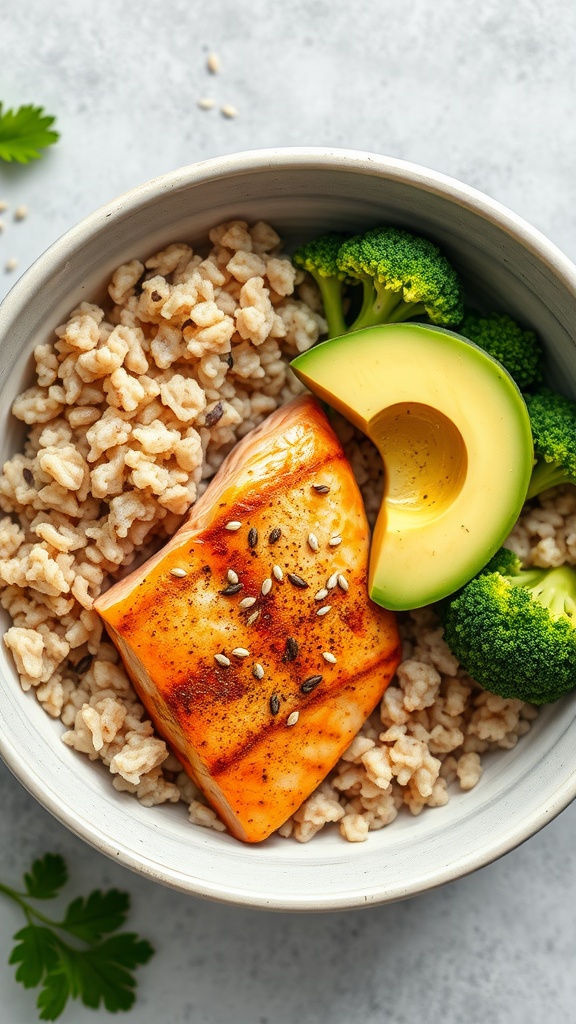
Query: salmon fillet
224	631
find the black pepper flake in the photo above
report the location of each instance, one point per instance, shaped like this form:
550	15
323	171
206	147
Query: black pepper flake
155	296
310	684
297	581
252	537
291	650
274	704
231	589
214	415
84	664
321	488
275	535
28	476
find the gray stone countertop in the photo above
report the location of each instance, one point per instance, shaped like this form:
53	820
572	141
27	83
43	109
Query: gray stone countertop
484	92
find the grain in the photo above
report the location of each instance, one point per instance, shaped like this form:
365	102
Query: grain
291	650
310	684
297	581
232	589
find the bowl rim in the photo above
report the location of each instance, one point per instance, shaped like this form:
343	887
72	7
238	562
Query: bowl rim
228	165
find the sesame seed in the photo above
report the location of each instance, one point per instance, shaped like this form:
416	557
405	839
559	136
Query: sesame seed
310	684
291	650
321	594
222	660
329	657
321	488
266	586
277	572
206	103
241	652
232	576
214	415
313	541
247	602
1	226
11	264
20	213
233	525
252	618
231	589
213	63
293	718
274	704
253	537
335	541
324	609
275	535
297	581
343	583
3	205
258	671
332	581
180	573
229	111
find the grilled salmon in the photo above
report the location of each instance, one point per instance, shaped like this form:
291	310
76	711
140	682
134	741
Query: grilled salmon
250	637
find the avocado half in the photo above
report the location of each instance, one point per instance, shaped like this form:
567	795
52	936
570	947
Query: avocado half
454	435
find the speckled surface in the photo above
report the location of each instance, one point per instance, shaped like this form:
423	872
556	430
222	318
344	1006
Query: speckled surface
485	92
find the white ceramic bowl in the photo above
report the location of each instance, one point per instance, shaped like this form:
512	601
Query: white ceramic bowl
506	264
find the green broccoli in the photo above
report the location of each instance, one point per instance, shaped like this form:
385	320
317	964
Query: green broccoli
403	276
518	350
514	630
553	423
318	257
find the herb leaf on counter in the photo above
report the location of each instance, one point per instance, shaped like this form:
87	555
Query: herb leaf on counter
100	971
24	132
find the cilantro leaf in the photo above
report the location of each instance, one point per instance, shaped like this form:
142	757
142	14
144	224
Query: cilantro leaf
54	994
101	971
101	912
36	953
46	876
25	131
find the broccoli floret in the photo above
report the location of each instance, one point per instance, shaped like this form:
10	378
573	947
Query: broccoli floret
502	338
514	630
318	257
553	423
403	276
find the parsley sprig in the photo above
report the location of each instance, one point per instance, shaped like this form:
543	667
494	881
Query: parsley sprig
24	132
98	971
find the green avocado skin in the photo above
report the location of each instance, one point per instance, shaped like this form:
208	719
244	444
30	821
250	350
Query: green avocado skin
454	434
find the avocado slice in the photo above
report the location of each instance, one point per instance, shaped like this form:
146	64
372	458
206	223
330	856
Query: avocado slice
454	435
